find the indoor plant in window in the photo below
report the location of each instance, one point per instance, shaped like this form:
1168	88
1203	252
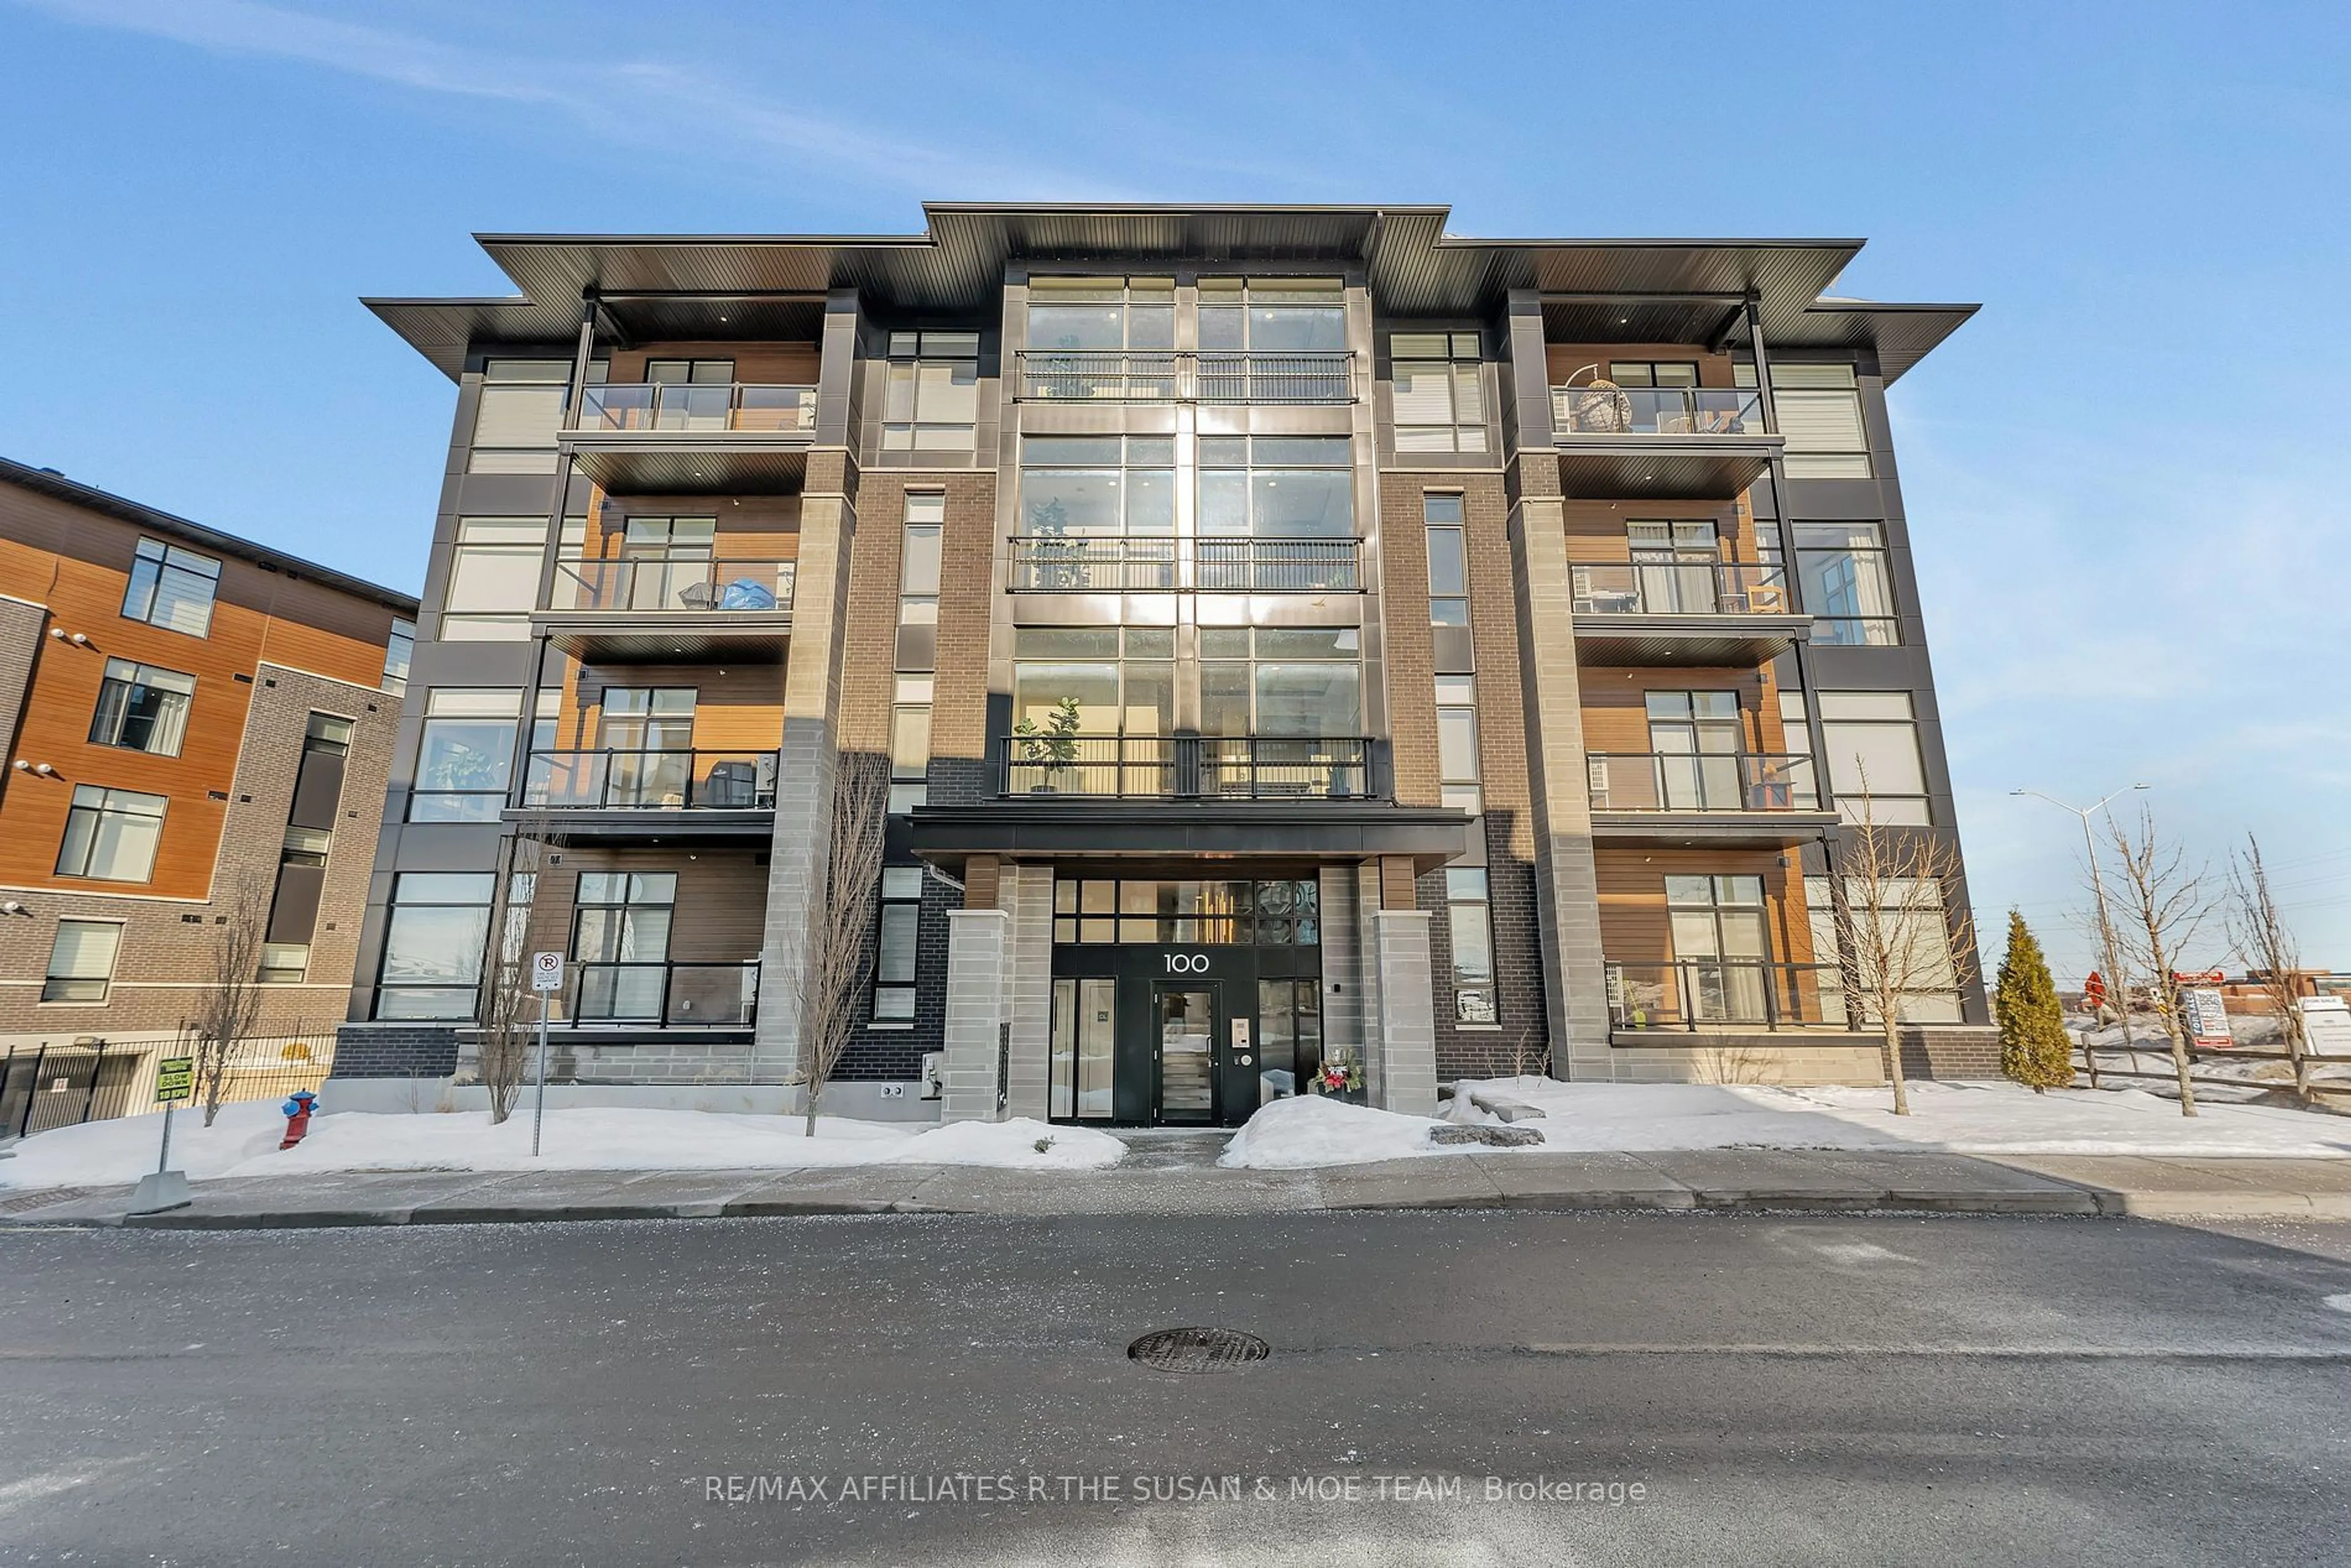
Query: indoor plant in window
1051	749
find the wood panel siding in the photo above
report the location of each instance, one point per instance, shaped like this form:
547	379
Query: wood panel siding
1616	710
761	364
1633	928
1564	359
737	707
1597	529
722	898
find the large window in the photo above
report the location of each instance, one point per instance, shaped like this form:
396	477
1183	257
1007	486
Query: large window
1819	410
81	961
1273	314
1277	681
619	936
1873	756
1098	314
432	943
1720	946
931	399
1846	590
493	579
520	413
1123	681
1448	584
1458	767
142	708
172	588
897	944
1914	907
1277	913
1441	405
111	834
1080	493
466	754
1278	486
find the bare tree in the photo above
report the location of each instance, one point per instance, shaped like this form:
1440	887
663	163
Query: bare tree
2166	904
230	1012
509	1017
2267	948
830	983
1898	937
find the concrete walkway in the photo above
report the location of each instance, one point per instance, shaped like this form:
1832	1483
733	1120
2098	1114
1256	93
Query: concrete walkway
1179	1176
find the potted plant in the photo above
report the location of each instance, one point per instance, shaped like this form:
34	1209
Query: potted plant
1051	747
1341	1079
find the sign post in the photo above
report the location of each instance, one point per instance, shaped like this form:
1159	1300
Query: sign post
175	1080
546	979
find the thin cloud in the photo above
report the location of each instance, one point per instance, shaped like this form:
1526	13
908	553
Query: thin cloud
726	117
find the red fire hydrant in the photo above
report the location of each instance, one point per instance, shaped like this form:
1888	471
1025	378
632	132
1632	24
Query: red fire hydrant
299	1110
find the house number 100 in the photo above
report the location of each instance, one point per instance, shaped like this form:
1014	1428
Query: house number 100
1187	963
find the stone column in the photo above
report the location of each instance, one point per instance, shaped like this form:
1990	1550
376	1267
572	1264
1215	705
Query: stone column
1567	893
801	849
1405	1079
1025	892
980	944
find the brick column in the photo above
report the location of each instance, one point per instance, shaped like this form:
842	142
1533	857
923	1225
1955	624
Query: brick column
979	946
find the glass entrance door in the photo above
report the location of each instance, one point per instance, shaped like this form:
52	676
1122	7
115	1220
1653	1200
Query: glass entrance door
1184	1023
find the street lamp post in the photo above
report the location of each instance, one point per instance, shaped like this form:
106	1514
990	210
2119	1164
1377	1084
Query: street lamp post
2105	925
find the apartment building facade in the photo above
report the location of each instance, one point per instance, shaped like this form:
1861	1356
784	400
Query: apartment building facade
199	730
1290	637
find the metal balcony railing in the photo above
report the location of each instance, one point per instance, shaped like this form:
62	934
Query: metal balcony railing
1052	564
1694	993
1187	767
1604	410
1701	781
670	584
1680	587
703	406
1184	375
635	779
663	994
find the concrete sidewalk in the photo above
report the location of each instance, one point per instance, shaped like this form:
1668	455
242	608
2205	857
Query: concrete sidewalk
1179	1177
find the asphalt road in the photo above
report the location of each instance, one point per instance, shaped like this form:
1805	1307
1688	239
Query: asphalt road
1726	1390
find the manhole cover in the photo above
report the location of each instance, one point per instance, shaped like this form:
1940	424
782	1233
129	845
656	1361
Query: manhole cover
1198	1350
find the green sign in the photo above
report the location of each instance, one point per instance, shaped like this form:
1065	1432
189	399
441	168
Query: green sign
175	1079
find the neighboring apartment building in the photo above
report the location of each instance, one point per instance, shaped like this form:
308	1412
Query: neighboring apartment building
1291	635
195	726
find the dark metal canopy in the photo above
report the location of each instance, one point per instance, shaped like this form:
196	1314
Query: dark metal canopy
679	285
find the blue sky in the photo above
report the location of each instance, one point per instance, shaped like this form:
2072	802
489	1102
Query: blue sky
2122	477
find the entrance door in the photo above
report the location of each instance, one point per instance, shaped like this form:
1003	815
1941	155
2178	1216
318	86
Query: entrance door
1185	1034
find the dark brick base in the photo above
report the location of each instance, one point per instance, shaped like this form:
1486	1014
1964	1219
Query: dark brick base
395	1051
1951	1051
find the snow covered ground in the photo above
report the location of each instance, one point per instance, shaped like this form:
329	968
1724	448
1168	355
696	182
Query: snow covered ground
244	1142
1957	1118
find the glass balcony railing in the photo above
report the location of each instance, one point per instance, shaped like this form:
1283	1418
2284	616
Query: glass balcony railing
1680	587
1605	409
1065	564
1701	781
670	584
1186	767
1753	993
621	777
696	406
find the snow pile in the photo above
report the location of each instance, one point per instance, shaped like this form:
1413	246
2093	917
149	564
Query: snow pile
1315	1130
244	1142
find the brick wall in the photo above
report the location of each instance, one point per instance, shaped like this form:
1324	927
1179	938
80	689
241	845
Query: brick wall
395	1051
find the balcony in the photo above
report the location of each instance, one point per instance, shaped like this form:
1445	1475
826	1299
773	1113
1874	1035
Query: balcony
662	994
1680	799
1061	564
1187	767
1642	443
618	795
1683	612
1726	996
666	608
1184	375
691	438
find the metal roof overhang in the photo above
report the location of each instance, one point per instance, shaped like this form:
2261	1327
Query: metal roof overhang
667	463
678	285
1655	467
668	636
1710	830
1187	831
1714	642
